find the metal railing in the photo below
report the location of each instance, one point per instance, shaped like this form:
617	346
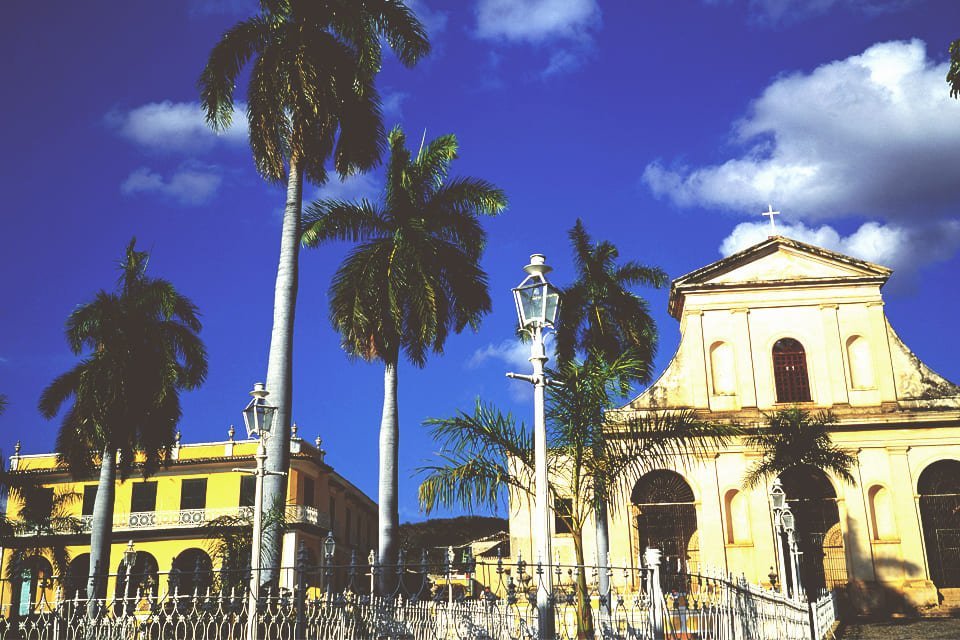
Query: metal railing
189	518
482	600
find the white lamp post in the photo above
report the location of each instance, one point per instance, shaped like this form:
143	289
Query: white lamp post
789	526
537	303
778	501
129	560
258	419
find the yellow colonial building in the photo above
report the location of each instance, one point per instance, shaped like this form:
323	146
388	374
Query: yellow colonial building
163	517
785	324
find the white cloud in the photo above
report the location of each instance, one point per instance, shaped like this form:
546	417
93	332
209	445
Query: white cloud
190	185
777	11
893	246
434	22
512	353
874	134
567	26
871	136
536	20
353	188
176	126
393	104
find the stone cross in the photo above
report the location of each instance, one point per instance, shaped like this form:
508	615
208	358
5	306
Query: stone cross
770	213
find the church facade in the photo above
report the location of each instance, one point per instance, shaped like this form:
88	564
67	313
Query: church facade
778	325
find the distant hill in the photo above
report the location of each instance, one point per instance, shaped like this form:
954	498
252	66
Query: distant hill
439	533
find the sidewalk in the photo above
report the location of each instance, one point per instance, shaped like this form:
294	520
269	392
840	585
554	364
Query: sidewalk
929	628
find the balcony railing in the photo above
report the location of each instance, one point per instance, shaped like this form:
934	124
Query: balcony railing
191	518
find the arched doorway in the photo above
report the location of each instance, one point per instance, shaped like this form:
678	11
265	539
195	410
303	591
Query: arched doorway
77	576
141	582
665	518
33	577
819	537
939	489
191	573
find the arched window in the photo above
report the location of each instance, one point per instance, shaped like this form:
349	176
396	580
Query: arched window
881	514
861	367
722	369
790	371
737	516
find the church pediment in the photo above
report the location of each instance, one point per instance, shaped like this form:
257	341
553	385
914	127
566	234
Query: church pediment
778	261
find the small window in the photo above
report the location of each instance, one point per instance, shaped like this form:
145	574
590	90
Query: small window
193	494
248	490
89	498
562	513
309	497
790	371
144	497
43	505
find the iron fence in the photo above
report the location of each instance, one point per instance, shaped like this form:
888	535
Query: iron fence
480	600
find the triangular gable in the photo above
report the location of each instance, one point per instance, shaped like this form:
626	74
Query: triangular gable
778	260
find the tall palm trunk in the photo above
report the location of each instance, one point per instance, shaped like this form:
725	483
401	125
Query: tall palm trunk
389	447
584	613
101	531
603	550
280	369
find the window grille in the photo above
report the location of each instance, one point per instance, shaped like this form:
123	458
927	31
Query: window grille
790	371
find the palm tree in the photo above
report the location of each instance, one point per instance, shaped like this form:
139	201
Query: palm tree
592	452
414	277
953	73
310	96
603	318
794	437
142	350
42	514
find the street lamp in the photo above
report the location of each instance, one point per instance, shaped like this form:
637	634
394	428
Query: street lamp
789	527
778	502
537	304
329	548
258	420
129	560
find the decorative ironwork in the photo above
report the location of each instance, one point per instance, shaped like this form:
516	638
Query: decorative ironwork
666	519
939	488
790	371
813	501
190	518
499	604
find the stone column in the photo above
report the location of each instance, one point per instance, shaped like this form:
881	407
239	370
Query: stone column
743	344
835	358
880	346
697	350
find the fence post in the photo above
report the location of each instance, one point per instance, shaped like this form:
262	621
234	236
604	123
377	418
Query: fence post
812	610
303	559
652	559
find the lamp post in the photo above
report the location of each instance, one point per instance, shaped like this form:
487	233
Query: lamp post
789	526
129	559
329	548
778	501
258	420
537	303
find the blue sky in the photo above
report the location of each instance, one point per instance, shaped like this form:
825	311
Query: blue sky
666	125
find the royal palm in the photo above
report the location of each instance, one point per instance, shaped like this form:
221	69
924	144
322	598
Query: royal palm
139	348
310	100
413	278
604	319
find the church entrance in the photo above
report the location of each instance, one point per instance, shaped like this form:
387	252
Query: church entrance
665	518
819	538
939	489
